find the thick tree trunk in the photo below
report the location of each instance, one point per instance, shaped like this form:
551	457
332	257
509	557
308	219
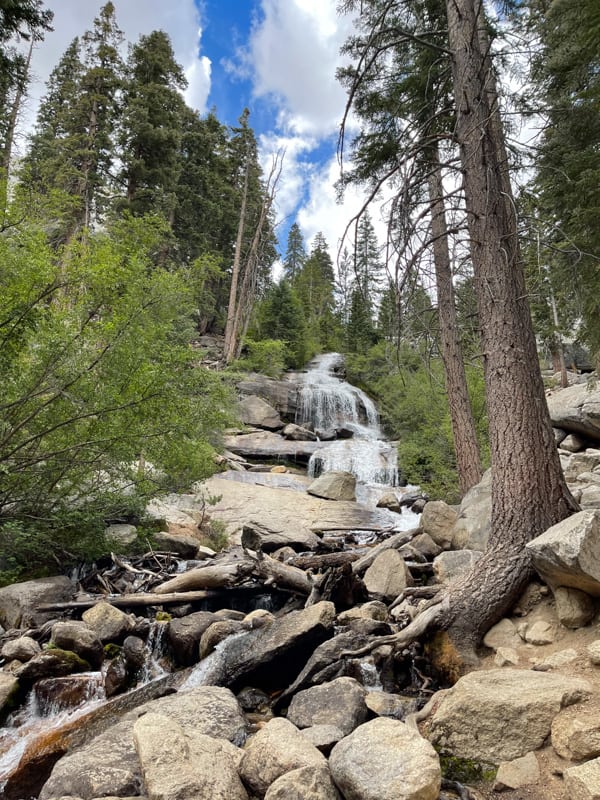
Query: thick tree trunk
466	446
529	493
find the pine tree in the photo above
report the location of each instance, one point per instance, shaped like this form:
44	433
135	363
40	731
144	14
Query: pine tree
281	317
295	254
315	285
367	262
152	127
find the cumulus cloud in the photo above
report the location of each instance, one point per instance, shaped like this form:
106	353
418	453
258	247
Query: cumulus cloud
294	51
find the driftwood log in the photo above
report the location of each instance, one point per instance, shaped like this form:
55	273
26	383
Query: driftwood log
395	541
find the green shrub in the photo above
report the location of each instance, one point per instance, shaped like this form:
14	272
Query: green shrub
267	357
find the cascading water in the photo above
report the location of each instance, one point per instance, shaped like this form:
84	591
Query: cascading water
328	402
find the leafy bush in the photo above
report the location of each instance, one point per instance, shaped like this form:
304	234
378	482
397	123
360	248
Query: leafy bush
98	379
267	357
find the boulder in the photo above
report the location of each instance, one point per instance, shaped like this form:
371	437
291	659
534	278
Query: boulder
287	515
388	576
556	660
110	624
298	434
385	760
271	656
573	443
390	501
568	554
574	608
184	636
515	774
257	412
374	609
121	535
581	463
340	702
334	485
590	497
438	520
324	737
9	690
19	602
50	664
269	446
21	649
258	536
78	637
506	657
397	706
576	737
502	634
278	748
54	695
451	565
583	782
186	765
182	545
217	632
499	715
472	528
108	765
593	651
305	783
576	409
282	395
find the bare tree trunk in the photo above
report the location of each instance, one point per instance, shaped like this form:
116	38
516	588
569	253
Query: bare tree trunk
235	273
529	493
466	446
11	129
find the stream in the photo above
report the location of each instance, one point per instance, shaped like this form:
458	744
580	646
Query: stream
325	402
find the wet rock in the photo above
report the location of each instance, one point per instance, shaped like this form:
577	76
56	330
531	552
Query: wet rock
185	764
53	663
306	783
390	501
523	771
109	765
109	624
451	565
19	602
23	649
184	636
257	412
272	654
568	554
334	485
217	632
340	702
576	738
583	782
182	545
251	699
385	760
9	690
54	695
275	750
79	638
438	520
500	715
388	576
134	653
117	678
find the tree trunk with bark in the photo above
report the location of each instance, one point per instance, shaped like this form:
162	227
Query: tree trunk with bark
466	446
529	493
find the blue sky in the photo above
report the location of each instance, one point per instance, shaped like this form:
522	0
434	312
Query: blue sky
277	57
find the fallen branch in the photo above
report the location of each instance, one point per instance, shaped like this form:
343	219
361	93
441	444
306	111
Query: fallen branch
394	542
151	599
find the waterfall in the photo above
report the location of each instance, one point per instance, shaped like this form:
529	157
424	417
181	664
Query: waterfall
328	402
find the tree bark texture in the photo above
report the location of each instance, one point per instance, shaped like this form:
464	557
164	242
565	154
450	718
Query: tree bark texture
464	434
529	493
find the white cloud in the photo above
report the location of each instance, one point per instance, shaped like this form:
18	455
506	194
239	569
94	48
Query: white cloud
294	50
